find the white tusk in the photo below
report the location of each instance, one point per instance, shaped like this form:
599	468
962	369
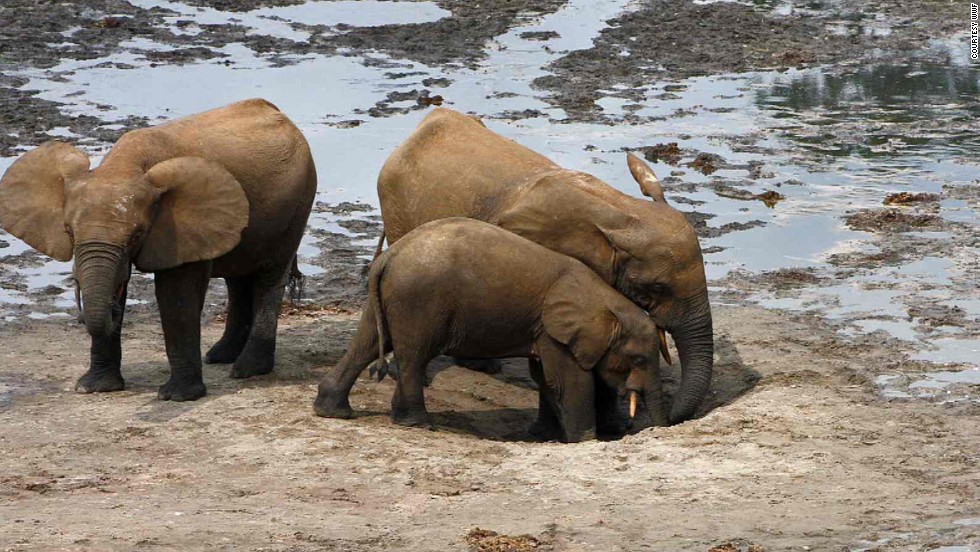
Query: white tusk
633	398
663	344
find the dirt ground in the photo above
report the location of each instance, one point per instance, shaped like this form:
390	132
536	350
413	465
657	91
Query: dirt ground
796	451
797	447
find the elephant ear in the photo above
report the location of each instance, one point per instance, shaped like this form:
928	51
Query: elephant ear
201	213
643	174
570	316
569	220
32	197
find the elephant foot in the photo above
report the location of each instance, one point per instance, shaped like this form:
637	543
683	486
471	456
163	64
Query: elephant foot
612	414
411	417
332	404
545	431
100	382
487	366
181	391
613	424
224	352
243	370
254	363
578	436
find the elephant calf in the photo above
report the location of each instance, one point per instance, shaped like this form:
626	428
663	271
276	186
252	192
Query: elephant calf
466	288
225	193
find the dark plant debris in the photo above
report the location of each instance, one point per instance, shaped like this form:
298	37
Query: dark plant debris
906	198
484	540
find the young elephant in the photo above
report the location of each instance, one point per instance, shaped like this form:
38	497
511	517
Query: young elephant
225	193
466	288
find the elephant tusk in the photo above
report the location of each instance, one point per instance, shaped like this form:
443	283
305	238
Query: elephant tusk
78	302
663	344
633	398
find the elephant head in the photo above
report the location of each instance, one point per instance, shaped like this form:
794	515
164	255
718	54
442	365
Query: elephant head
644	248
177	211
609	335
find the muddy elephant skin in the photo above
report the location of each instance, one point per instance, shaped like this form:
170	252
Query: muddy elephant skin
452	166
463	287
221	194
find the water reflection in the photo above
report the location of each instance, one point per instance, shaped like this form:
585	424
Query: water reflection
880	109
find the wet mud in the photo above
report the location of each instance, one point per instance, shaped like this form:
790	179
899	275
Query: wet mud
889	220
29	121
673	39
455	40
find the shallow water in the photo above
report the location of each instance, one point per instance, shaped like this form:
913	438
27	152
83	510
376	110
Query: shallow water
830	140
280	21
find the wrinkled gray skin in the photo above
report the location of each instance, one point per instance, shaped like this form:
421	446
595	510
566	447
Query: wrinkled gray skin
223	194
452	166
463	287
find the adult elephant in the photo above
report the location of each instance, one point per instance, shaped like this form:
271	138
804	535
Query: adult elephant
225	193
453	166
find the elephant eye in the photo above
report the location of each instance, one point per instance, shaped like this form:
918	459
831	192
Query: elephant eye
639	361
653	294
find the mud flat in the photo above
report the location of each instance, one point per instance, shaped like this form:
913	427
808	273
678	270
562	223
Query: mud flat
845	410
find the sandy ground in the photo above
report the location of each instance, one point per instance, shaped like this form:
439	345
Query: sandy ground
797	451
797	448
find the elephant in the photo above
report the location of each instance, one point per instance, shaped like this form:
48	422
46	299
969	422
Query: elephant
464	287
453	166
224	194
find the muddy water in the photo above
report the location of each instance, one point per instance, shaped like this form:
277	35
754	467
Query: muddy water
831	141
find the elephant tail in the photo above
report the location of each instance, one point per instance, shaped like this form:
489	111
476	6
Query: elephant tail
374	303
381	244
295	282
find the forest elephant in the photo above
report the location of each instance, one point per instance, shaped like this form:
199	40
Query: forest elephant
221	194
453	166
463	287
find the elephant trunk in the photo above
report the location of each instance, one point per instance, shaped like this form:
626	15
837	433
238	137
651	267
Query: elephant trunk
647	384
694	339
99	268
653	398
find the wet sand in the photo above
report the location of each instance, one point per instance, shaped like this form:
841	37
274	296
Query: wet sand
845	407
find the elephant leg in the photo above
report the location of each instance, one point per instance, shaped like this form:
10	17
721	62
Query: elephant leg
547	426
569	389
332	399
237	324
487	366
610	408
180	295
576	406
259	354
408	403
105	365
